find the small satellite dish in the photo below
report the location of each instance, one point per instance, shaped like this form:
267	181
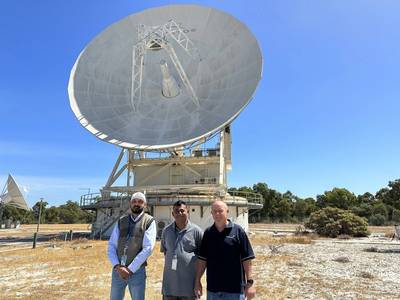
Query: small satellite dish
12	195
165	77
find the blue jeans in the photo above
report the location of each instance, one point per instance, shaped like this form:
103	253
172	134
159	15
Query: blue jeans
224	296
136	284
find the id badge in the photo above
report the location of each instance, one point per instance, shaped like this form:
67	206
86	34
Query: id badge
174	263
123	259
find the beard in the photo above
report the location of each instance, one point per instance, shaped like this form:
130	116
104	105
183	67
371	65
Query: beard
137	209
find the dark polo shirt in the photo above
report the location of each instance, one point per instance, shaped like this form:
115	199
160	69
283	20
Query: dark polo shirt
224	253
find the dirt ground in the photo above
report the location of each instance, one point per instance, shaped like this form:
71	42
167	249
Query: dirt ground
286	267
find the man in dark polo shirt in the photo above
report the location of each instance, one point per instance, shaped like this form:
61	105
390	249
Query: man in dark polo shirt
180	243
226	253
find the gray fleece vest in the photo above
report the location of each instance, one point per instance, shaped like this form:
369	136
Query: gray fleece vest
137	231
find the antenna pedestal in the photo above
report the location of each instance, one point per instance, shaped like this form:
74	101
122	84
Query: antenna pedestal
196	176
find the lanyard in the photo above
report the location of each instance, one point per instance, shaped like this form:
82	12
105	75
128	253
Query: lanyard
178	237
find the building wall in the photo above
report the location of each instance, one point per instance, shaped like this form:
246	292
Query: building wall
177	174
163	216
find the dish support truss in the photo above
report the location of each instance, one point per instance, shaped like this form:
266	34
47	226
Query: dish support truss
160	37
216	161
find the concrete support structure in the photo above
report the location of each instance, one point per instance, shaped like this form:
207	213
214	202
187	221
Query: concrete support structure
195	176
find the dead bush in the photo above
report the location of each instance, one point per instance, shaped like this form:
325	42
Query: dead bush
366	275
371	249
294	263
275	248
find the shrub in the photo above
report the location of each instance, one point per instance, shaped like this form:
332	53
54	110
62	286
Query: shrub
396	215
377	220
333	222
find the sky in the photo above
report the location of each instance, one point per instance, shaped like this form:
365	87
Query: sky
325	113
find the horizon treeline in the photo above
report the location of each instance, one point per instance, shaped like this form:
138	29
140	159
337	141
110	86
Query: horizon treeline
69	213
383	208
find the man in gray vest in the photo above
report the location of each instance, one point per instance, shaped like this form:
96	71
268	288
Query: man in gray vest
180	243
130	244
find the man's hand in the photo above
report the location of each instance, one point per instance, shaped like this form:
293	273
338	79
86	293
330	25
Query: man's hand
198	290
123	272
250	292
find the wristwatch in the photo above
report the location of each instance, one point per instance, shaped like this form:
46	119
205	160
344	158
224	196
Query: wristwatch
250	282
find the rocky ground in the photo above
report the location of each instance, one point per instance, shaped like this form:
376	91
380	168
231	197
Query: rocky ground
365	268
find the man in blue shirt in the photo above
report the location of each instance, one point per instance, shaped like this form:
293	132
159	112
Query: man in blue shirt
226	252
131	243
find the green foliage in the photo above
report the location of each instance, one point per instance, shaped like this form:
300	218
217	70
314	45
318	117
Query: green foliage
366	198
16	214
333	222
364	210
396	216
391	195
380	208
39	208
283	210
377	220
71	213
340	198
68	213
300	209
52	215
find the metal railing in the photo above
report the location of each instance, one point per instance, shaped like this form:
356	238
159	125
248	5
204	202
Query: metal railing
253	198
93	198
89	199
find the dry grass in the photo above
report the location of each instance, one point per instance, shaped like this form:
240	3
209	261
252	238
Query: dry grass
381	229
259	239
29	229
80	270
292	228
77	270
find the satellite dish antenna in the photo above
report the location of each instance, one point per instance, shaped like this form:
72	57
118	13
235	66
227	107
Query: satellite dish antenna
166	80
165	77
12	195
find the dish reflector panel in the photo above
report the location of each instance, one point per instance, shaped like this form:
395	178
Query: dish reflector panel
165	77
13	195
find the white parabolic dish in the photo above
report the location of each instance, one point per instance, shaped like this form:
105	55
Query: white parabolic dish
116	85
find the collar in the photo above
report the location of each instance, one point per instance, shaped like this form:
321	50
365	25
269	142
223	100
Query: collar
230	224
137	218
227	226
188	224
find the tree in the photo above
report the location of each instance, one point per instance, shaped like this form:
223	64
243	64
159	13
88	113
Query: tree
366	198
380	208
390	196
36	210
70	213
338	197
284	210
13	213
311	205
377	220
300	208
53	215
396	216
364	210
